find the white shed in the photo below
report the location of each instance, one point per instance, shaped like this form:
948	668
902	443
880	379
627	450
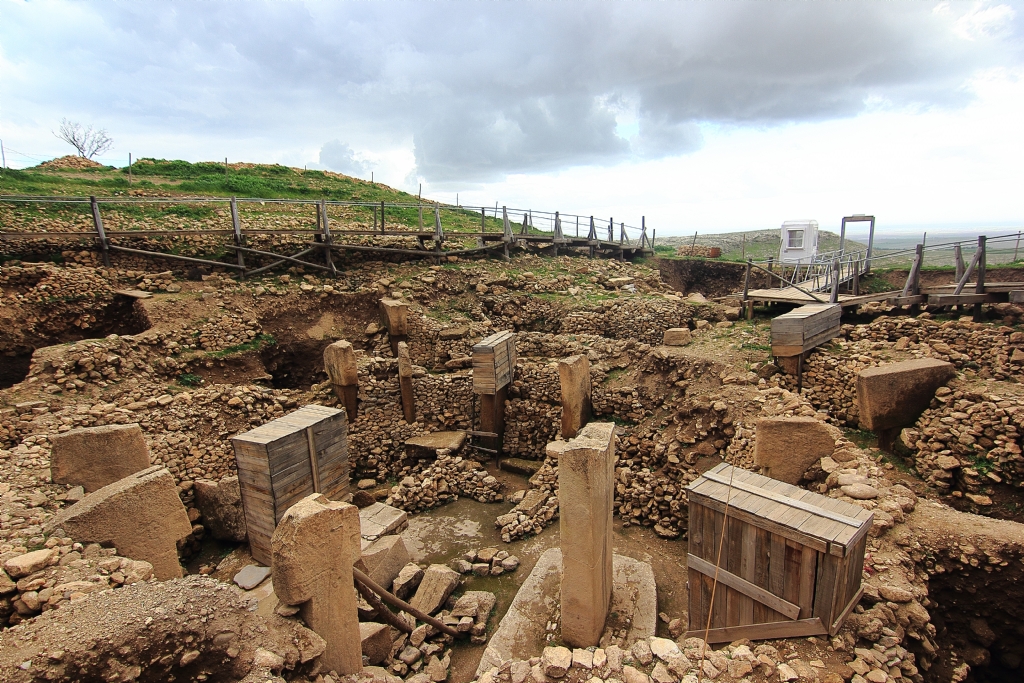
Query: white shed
799	241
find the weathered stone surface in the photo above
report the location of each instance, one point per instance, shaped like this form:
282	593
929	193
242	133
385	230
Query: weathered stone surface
786	446
340	364
427	445
221	506
29	563
407	581
375	641
96	456
585	493
394	315
251	576
678	336
379	519
314	549
140	515
574	376
437	584
555	661
895	395
405	383
384	559
860	491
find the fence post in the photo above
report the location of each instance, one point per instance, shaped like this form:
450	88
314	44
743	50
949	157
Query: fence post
375	218
483	217
1016	247
236	228
958	254
834	298
101	237
419	210
980	287
327	238
382	216
611	229
748	305
438	232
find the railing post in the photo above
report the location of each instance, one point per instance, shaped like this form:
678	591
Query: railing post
236	228
101	236
327	237
375	218
382	216
834	298
747	303
871	244
980	287
419	211
958	254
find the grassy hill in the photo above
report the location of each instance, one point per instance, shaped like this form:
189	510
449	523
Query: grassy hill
755	244
167	179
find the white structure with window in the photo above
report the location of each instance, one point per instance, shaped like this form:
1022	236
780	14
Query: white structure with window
799	242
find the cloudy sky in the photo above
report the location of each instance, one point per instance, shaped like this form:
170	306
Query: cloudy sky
707	116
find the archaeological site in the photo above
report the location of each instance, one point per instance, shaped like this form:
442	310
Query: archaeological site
367	437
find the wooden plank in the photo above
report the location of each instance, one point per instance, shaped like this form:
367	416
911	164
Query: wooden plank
808	569
786	500
743	586
762	563
731	563
963	299
782	629
765	523
791	587
747	572
838	623
697	616
719	605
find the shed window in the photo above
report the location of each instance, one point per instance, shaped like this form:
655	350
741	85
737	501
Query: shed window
796	239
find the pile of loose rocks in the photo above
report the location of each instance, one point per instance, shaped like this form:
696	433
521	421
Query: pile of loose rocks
444	480
486	562
969	442
61	572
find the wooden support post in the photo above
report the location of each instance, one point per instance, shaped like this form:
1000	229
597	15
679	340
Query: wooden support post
492	418
419	211
1016	247
958	254
101	237
439	232
382	216
236	227
980	287
834	297
405	383
483	219
611	229
856	279
327	237
746	290
375	218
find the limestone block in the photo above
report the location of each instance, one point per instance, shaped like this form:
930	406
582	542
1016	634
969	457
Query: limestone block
221	506
141	515
678	336
407	581
375	640
340	364
30	563
786	446
437	584
895	395
93	457
314	549
394	315
585	490
384	559
379	520
574	373
427	445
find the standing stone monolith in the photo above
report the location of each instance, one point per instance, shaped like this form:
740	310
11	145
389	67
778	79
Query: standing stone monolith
574	374
405	383
394	315
140	515
340	364
92	457
586	480
313	550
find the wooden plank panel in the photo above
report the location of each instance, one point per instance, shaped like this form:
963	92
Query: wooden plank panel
697	615
762	563
720	603
791	588
731	563
748	559
782	629
825	591
766	523
808	569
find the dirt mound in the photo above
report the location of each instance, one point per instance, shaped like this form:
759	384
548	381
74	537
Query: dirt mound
71	162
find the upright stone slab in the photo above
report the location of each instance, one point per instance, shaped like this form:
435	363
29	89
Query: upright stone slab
786	446
586	480
574	374
340	364
895	395
220	503
140	515
394	316
314	548
93	457
405	383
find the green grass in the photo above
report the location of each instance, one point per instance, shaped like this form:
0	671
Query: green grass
189	380
259	342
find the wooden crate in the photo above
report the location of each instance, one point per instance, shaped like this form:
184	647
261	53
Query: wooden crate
804	328
790	563
494	362
276	468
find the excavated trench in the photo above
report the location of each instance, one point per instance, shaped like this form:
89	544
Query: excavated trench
978	614
121	316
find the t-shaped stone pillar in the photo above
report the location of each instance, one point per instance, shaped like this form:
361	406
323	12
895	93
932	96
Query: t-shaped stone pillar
405	383
340	364
313	550
394	315
574	373
586	480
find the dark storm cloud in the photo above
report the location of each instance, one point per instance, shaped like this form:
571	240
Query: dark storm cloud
487	89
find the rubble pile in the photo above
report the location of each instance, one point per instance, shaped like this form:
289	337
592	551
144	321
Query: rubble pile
428	485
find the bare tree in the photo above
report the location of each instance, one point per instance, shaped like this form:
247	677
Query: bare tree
88	142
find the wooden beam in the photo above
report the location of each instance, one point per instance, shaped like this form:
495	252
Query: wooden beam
743	586
838	623
961	299
770	631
